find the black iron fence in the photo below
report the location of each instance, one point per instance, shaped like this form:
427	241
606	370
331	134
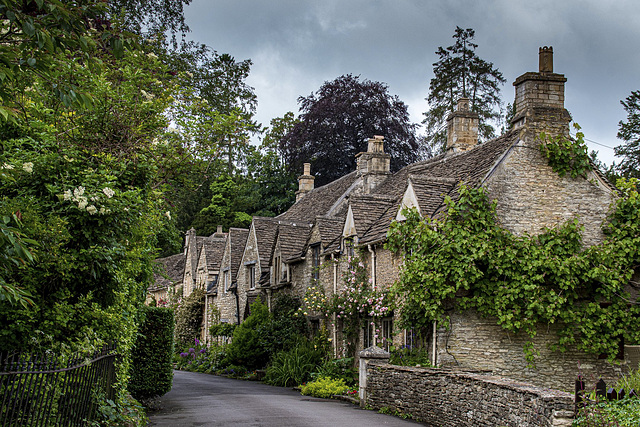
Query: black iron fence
42	390
602	392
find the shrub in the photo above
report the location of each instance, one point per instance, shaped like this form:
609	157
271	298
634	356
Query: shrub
245	349
339	369
234	371
292	367
189	318
622	413
200	358
324	387
222	329
410	356
151	367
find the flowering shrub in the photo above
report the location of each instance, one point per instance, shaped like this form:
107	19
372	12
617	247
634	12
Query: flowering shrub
354	304
324	387
201	358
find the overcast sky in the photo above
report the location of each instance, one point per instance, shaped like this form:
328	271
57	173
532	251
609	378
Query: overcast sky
296	45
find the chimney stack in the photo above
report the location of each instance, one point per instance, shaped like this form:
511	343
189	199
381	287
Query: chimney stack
305	182
462	128
539	99
374	165
219	233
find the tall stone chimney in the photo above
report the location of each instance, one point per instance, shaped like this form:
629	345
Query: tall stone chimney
462	128
374	165
539	99
305	182
190	240
219	233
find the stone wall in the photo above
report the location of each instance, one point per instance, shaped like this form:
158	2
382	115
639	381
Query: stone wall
531	196
440	397
226	301
474	342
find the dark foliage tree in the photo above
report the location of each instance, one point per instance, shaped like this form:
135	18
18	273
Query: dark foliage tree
460	73
629	132
336	121
151	16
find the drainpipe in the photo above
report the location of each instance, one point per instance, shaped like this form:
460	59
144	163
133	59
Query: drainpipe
373	266
335	290
235	291
206	319
433	351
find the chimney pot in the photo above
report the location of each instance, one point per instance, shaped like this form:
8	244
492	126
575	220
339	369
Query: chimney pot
305	182
219	230
462	128
545	59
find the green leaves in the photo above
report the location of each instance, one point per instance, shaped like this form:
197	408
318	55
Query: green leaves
566	156
467	260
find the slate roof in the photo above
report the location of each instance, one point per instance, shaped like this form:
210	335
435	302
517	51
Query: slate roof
265	229
320	201
168	271
237	241
293	238
434	178
214	249
367	209
330	229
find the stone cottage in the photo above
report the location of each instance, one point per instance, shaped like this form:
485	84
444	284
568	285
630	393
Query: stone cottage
309	245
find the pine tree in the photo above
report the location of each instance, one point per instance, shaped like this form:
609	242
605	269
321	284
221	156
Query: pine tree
461	73
629	132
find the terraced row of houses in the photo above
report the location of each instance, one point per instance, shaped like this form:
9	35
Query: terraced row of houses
311	242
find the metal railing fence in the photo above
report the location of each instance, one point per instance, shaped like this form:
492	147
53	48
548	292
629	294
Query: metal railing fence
40	390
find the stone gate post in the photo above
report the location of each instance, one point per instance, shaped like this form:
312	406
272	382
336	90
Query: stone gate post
372	354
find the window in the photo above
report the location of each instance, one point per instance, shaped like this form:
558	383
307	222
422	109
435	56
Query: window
349	247
368	331
276	270
226	280
387	333
251	272
315	327
315	262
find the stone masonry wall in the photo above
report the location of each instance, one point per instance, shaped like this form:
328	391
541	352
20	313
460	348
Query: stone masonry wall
441	397
474	342
226	301
532	196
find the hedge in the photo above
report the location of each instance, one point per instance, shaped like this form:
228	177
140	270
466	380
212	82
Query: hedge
152	366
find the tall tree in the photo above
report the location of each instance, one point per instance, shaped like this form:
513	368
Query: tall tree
460	73
336	121
629	132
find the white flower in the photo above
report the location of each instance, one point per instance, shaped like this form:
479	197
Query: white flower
7	166
152	55
189	74
168	215
102	211
91	209
148	96
82	203
67	195
126	209
27	167
78	192
108	192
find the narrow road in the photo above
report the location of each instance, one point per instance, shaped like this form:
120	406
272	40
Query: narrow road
209	400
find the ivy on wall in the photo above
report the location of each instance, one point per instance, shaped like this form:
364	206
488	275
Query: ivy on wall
566	156
466	260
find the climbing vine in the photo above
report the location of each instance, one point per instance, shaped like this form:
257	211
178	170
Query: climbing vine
356	303
566	156
466	260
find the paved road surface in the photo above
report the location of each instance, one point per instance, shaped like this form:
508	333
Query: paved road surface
209	400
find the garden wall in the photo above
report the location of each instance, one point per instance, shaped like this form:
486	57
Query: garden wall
442	397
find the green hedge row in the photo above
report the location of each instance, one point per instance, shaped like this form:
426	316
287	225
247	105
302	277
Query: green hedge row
152	364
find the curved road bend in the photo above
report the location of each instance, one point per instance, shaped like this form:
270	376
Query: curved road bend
209	400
